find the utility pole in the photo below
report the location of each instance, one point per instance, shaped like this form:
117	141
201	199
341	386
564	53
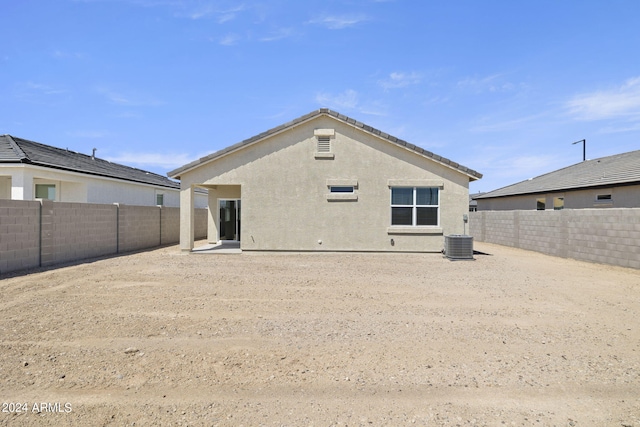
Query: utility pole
584	148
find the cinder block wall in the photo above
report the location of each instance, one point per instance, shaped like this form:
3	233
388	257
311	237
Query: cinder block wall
170	220
19	235
34	233
139	227
74	231
608	236
201	225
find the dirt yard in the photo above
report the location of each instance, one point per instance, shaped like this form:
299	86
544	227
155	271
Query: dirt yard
160	338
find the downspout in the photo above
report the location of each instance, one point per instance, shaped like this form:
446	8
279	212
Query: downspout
40	237
117	205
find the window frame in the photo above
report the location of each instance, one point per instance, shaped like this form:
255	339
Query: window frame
48	186
414	207
342	189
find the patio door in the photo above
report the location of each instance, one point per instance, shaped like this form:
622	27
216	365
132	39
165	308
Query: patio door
229	228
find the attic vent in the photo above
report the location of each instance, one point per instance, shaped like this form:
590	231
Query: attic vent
324	144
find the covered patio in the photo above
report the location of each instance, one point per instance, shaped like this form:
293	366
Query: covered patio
223	222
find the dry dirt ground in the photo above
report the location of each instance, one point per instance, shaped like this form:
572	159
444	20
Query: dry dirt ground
160	338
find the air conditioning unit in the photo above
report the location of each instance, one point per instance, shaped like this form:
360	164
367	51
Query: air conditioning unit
458	246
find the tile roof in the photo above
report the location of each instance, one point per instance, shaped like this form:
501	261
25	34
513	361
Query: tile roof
619	169
473	175
18	150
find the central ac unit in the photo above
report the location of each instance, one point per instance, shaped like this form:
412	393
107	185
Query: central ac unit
458	246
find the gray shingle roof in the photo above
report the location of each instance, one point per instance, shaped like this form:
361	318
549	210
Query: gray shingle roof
619	169
473	175
18	150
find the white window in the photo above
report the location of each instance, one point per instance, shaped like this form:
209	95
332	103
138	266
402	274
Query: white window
46	191
159	199
558	203
341	188
415	206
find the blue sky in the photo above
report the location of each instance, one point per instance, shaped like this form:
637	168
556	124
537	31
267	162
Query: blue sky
503	87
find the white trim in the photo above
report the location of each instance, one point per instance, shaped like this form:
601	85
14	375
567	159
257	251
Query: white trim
416	183
404	229
414	209
342	183
87	175
342	196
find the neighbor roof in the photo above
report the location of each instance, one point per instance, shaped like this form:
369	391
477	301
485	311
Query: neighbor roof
473	175
619	169
18	150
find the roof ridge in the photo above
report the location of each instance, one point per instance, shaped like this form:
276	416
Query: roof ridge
14	145
346	119
62	158
579	175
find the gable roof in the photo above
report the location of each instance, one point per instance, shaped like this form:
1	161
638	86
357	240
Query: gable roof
18	150
472	174
619	169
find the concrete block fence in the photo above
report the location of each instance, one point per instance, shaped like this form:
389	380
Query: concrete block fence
606	236
44	233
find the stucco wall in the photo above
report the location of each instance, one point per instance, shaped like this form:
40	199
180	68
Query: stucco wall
608	236
34	233
627	196
284	192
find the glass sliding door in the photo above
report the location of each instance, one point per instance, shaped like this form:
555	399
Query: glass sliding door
229	227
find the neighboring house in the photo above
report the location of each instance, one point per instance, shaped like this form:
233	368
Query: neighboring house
30	170
473	203
327	182
607	182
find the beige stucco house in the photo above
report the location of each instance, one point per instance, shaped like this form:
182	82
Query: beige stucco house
326	182
606	182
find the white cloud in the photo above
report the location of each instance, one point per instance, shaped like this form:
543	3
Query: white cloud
398	80
166	161
129	99
492	83
281	33
346	100
335	22
229	40
510	124
620	102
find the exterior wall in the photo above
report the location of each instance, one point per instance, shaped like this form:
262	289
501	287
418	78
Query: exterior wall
621	197
608	236
139	227
80	188
44	233
284	192
72	231
19	235
170	226
200	227
5	187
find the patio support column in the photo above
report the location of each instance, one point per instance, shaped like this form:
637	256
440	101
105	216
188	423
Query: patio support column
187	218
212	220
22	185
